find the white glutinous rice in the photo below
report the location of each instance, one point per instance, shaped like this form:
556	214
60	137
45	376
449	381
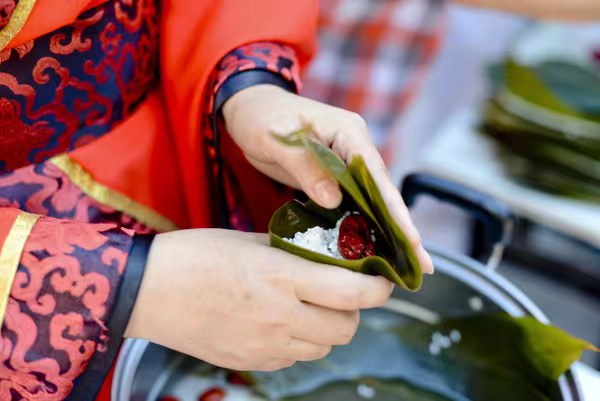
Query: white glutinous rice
476	304
455	336
439	341
365	391
319	239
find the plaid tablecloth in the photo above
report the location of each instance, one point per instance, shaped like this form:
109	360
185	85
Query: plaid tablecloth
372	56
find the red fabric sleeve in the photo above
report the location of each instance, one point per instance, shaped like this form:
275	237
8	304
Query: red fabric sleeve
274	57
7	219
195	36
63	293
66	311
243	186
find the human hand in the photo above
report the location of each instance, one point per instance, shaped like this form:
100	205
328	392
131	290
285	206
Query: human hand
254	114
575	10
229	299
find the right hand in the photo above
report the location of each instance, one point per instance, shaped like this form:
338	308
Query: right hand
229	299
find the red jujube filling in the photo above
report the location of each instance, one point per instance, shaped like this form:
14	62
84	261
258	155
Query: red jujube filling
355	240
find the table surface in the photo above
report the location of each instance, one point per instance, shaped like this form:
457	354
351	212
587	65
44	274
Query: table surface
459	153
589	381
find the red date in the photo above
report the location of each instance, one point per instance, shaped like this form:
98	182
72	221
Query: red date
213	394
355	240
237	379
167	398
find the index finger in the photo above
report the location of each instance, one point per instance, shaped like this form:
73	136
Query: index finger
341	289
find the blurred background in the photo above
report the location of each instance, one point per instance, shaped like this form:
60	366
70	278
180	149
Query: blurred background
502	104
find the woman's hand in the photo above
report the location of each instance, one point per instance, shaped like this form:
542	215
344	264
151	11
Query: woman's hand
574	10
254	114
229	299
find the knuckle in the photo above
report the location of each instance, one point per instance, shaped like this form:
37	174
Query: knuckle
287	364
273	274
272	366
323	352
345	338
238	363
317	353
273	319
254	348
358	119
349	331
382	298
268	367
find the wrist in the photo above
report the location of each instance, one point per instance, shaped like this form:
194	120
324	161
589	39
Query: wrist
147	291
248	96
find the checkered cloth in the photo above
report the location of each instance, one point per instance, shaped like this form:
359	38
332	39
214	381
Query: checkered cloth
372	56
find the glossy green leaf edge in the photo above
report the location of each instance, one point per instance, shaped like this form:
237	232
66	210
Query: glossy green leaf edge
524	83
402	268
404	254
549	349
544	350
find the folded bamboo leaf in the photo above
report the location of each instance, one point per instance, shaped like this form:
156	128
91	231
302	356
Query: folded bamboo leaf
395	258
403	252
332	163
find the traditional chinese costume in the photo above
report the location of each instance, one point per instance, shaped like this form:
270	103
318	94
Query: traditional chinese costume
106	117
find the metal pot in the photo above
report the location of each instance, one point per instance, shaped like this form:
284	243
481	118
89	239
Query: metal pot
460	286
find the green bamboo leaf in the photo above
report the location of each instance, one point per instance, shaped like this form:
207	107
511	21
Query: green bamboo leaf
494	358
338	169
403	254
395	258
577	86
523	82
295	216
548	349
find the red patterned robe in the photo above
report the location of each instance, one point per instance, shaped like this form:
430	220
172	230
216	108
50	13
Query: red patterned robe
106	116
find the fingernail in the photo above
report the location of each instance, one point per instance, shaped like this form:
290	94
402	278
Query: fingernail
327	193
425	260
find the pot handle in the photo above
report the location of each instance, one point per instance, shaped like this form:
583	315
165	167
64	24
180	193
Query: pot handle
496	217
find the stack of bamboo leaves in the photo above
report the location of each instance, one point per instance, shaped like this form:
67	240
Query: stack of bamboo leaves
546	119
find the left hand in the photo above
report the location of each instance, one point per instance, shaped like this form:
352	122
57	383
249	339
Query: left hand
254	114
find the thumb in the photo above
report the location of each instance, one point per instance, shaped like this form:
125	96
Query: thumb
314	180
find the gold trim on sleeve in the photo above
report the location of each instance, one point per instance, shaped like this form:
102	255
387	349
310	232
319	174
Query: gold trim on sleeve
109	197
16	22
10	255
